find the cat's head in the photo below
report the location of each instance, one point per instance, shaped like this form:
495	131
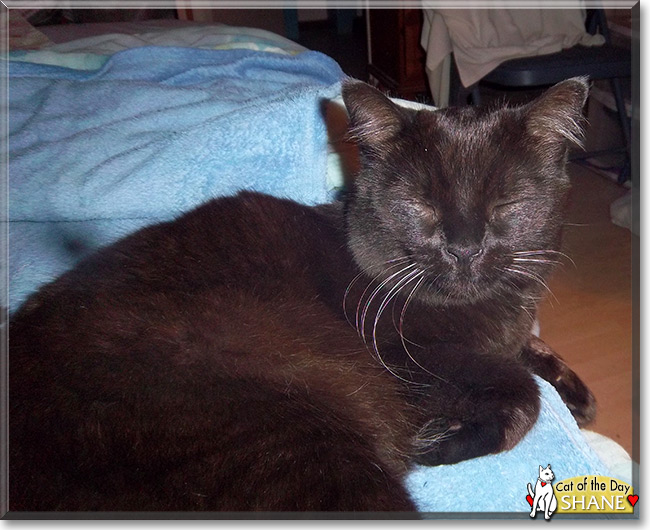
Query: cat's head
471	198
546	474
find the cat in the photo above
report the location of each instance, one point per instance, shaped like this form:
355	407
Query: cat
543	498
212	362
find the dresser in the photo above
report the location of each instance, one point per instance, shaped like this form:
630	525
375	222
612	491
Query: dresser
395	58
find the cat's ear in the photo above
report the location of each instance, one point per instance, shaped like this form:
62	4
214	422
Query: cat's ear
555	119
374	119
541	469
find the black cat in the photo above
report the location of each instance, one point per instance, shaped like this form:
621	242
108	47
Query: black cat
207	364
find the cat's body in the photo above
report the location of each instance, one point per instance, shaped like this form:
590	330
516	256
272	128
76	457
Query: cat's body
543	496
209	363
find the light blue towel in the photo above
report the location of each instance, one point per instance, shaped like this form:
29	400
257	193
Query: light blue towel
151	134
158	130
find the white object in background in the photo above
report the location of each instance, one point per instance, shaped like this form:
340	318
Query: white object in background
482	39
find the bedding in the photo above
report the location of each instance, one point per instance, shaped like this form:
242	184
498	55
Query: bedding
153	133
102	144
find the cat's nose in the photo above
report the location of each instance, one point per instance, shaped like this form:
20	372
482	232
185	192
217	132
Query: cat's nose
464	253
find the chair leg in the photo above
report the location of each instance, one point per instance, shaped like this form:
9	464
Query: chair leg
625	127
458	94
476	94
626	171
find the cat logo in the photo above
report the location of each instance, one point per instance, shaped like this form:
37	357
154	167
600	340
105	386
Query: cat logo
542	499
584	494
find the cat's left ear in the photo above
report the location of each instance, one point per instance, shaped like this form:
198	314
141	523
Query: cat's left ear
374	119
556	118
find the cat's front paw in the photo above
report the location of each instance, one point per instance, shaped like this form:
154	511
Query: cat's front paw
448	441
546	363
576	395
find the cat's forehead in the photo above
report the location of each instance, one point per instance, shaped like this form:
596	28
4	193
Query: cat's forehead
469	151
467	126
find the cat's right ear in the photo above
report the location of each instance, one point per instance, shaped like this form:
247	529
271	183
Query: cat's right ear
556	116
374	119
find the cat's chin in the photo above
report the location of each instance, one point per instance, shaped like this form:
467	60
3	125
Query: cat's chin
455	293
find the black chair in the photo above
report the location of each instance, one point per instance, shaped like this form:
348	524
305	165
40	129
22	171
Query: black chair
597	62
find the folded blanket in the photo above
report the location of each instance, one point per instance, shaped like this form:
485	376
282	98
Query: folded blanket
153	133
176	123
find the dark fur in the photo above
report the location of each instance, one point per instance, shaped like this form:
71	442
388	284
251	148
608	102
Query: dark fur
206	363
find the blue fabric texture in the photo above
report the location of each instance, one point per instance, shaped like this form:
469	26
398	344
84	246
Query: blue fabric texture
151	134
97	154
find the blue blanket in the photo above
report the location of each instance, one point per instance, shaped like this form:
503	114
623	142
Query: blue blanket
151	134
94	155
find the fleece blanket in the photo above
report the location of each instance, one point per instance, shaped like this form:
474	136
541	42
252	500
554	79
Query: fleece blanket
155	131
97	154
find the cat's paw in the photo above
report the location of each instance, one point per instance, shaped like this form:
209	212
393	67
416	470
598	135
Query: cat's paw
448	441
576	395
484	406
546	363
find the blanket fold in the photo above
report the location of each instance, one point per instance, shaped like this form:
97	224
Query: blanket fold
156	131
153	133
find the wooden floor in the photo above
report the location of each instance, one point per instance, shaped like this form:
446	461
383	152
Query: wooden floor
589	318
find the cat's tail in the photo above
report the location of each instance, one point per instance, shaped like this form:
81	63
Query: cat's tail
530	490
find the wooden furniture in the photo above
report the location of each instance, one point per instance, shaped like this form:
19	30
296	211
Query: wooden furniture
395	57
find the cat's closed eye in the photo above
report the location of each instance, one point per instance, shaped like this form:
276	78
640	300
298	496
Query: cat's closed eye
503	209
424	213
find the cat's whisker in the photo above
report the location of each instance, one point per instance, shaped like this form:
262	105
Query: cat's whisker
395	325
541	252
347	293
401	330
532	299
396	262
360	303
392	294
538	260
387	299
532	276
525	309
361	327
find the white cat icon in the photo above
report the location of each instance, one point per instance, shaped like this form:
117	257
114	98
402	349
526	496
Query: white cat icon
543	498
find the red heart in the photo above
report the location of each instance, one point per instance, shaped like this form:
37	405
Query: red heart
530	499
632	499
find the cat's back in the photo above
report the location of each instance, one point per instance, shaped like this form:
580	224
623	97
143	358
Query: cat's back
186	345
234	267
242	243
